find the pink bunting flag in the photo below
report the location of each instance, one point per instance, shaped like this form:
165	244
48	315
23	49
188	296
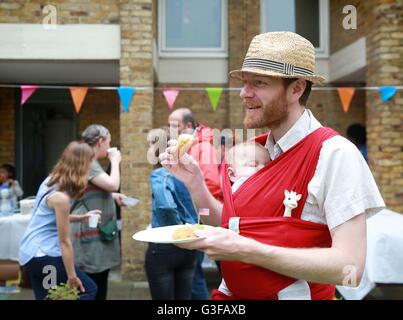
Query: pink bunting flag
26	93
170	96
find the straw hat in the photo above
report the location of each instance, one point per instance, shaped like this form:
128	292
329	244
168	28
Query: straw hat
280	54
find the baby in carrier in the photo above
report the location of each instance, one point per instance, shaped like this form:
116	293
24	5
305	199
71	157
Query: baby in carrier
244	160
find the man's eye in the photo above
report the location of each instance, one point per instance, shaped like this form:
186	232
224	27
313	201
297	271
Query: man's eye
259	83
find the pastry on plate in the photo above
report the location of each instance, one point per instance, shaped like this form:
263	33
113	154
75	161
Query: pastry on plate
184	232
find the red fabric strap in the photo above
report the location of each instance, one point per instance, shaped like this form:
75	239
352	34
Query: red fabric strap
259	204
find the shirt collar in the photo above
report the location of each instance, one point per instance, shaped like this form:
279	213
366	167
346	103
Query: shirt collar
304	126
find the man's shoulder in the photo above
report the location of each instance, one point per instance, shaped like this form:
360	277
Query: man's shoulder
338	145
338	152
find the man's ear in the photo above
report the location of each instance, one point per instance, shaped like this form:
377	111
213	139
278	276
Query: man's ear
231	174
296	90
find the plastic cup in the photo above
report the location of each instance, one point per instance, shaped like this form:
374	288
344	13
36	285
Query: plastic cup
112	150
93	220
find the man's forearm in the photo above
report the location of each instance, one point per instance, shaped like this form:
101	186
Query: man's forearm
322	265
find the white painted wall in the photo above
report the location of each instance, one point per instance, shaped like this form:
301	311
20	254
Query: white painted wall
348	62
66	42
207	70
322	68
192	70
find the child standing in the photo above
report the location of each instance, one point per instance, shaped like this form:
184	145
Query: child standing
10	190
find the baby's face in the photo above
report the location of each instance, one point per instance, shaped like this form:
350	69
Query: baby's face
247	161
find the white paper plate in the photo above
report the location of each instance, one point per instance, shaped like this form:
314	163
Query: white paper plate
161	235
130	202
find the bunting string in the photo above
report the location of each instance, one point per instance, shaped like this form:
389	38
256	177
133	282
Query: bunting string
376	88
126	93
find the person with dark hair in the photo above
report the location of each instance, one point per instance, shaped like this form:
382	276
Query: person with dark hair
299	222
46	250
357	134
97	251
10	190
169	269
10	169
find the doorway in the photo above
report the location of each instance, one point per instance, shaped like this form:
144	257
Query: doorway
47	123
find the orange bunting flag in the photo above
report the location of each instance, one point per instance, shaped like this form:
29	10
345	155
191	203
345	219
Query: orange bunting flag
346	96
78	94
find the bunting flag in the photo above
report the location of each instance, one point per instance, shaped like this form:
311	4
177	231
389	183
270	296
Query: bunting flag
126	95
170	96
346	96
26	93
214	95
78	94
387	93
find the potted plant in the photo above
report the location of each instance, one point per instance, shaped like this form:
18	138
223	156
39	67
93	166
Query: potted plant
63	292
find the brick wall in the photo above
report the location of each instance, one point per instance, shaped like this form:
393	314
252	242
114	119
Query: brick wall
339	37
101	107
68	12
7	128
326	107
197	101
384	119
136	69
244	24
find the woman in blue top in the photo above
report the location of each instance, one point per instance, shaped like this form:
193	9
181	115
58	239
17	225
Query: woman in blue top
46	250
169	269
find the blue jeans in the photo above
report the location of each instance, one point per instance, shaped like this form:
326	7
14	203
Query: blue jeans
169	272
199	290
38	270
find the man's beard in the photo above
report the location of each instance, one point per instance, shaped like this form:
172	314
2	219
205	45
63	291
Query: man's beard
269	116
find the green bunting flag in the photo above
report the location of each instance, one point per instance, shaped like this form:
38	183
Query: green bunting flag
214	95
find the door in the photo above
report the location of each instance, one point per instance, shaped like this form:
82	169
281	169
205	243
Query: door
49	123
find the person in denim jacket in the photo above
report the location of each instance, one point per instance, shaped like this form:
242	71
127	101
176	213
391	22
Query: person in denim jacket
169	269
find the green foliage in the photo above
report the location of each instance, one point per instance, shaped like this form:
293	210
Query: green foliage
63	292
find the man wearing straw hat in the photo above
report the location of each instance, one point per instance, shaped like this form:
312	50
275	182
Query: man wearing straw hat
297	227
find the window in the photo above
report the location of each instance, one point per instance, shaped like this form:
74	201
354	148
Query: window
309	18
193	28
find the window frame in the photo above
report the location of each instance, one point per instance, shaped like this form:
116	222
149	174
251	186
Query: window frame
165	51
323	50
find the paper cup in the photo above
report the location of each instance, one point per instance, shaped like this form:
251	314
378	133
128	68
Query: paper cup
93	220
